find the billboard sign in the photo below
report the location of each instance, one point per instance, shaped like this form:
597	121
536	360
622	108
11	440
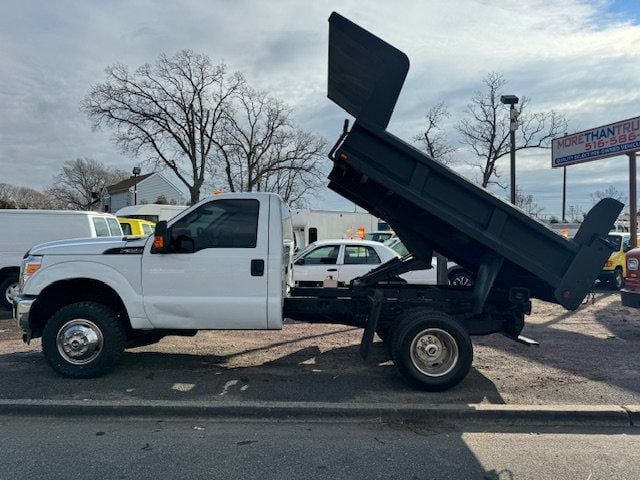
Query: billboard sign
601	142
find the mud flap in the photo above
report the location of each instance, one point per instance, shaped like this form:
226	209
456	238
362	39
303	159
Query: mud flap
372	322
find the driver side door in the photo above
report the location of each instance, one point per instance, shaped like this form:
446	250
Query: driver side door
214	275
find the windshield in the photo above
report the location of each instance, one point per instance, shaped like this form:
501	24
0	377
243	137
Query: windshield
615	240
300	253
399	248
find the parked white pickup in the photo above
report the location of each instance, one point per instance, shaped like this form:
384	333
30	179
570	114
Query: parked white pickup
225	264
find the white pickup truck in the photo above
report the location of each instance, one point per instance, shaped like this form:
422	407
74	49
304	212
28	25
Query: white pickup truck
226	264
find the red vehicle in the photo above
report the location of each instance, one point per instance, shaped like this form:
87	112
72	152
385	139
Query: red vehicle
630	295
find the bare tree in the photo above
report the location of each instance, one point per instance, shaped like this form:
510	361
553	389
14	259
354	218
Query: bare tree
24	198
486	128
526	203
609	192
168	113
432	140
262	150
575	214
79	183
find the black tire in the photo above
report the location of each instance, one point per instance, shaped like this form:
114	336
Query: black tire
618	280
461	278
450	338
10	282
92	318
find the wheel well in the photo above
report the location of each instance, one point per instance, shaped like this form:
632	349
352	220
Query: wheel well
5	272
66	292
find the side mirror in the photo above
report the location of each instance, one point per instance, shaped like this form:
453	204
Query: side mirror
160	238
185	244
300	261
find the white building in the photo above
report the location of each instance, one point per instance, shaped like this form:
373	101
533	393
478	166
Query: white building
140	190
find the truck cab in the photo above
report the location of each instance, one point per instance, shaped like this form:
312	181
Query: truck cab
224	263
614	271
630	294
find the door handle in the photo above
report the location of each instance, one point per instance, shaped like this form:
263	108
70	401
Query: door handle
257	268
332	269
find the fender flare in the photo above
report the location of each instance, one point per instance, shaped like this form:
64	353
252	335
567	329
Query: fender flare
77	269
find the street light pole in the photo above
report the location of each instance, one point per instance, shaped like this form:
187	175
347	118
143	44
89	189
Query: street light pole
512	100
136	172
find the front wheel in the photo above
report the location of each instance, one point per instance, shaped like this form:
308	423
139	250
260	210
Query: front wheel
432	351
461	278
618	280
9	288
83	340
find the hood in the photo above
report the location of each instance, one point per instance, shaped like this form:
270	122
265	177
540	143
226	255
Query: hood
86	246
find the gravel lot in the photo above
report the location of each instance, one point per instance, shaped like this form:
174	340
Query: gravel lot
590	356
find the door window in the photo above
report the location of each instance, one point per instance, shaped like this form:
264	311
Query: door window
360	255
313	234
219	224
114	227
102	229
327	255
126	228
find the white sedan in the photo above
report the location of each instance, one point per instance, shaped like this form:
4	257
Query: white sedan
344	260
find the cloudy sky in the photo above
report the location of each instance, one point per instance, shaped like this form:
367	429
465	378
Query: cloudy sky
579	57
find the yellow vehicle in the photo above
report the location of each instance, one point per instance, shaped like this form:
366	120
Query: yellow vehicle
615	270
132	227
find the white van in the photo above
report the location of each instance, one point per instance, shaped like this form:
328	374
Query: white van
22	229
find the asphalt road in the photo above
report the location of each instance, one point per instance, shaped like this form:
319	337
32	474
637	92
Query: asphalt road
589	356
115	448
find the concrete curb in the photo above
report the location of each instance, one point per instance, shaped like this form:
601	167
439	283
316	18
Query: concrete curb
521	415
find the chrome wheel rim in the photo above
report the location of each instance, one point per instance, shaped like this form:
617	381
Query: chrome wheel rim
434	352
462	281
79	341
12	292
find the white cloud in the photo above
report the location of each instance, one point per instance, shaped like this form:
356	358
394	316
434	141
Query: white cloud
571	55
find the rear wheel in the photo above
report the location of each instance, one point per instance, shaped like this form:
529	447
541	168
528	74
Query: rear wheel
83	340
432	351
9	288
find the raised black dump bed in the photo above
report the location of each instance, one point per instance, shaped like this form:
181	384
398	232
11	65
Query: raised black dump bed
432	208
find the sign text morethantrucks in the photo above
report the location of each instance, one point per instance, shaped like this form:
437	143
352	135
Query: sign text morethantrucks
606	141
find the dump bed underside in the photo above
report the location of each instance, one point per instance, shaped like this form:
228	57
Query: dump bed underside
431	207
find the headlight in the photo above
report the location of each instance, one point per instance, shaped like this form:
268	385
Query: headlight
632	264
30	265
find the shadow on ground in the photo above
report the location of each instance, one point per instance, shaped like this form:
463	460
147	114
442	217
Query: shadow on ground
308	374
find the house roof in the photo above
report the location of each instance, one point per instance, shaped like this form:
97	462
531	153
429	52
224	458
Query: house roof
127	183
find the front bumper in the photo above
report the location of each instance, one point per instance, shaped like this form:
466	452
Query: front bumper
21	309
630	298
606	275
